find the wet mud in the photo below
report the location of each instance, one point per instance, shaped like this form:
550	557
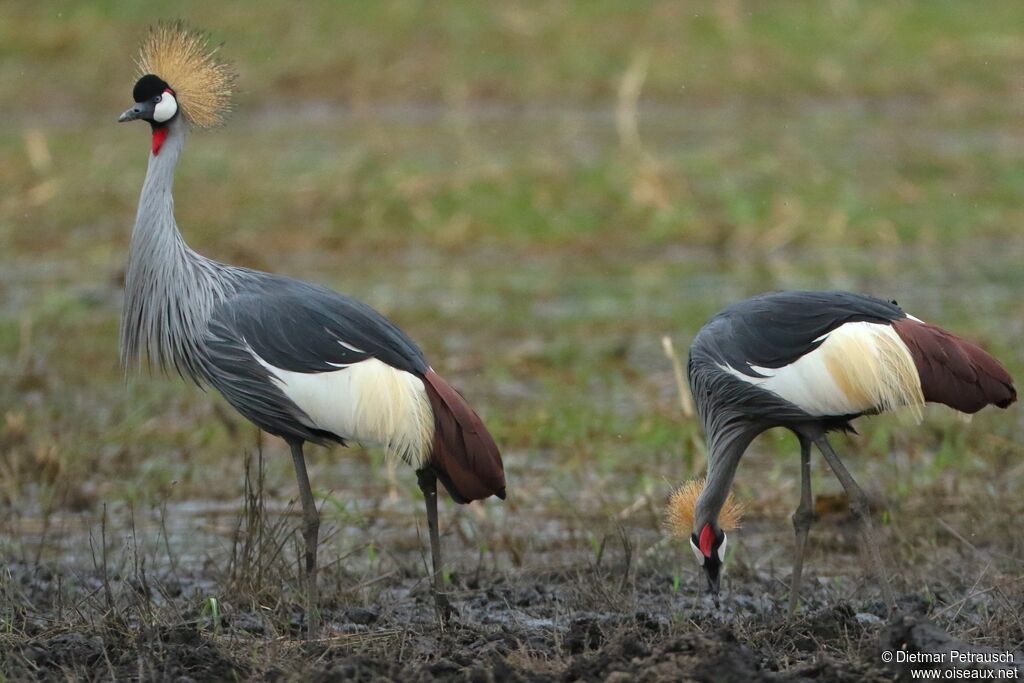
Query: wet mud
574	625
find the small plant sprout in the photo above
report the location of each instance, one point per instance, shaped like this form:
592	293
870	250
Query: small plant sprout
596	545
211	611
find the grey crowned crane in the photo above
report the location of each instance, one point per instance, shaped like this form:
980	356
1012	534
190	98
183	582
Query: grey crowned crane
300	361
811	362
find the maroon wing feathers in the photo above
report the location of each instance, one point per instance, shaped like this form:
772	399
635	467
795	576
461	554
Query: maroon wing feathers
465	456
954	371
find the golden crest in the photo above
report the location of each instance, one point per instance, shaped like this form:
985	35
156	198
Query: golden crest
681	506
182	57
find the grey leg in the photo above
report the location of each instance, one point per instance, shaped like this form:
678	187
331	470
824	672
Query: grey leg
310	534
428	485
802	519
859	507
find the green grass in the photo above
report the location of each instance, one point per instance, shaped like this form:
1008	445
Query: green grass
458	166
406	51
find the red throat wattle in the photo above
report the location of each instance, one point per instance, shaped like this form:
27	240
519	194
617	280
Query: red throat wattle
707	537
159	135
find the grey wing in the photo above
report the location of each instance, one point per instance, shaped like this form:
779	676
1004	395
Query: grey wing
770	331
297	327
301	327
775	329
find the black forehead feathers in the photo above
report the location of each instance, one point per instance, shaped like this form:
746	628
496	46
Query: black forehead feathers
148	87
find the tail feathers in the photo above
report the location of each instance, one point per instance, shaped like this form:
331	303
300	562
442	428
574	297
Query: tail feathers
465	456
954	371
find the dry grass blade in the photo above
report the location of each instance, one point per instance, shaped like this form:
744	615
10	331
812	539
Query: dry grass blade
627	108
685	400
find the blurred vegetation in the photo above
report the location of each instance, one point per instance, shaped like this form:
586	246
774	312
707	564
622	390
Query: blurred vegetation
413	51
537	192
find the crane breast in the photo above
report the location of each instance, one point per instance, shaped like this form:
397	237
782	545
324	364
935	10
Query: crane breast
368	402
857	367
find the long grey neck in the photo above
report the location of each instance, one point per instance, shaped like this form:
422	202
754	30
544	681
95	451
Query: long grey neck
728	439
169	289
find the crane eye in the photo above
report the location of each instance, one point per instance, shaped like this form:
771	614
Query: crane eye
157	99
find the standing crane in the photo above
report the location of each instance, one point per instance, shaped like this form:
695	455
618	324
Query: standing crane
812	362
300	361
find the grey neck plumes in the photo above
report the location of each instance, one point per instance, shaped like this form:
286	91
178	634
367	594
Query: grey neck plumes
169	289
725	447
728	436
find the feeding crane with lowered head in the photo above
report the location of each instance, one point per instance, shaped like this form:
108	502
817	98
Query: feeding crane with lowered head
812	362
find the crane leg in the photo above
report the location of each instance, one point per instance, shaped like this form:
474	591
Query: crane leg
428	485
310	534
802	519
859	507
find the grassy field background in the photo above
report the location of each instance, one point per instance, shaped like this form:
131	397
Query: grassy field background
537	193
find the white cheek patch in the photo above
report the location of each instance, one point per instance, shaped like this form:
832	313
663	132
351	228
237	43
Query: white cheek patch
165	108
721	548
697	553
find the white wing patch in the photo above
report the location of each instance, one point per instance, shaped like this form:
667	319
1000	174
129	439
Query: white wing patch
368	402
859	366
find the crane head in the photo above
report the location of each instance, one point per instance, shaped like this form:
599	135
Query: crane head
180	72
155	102
707	538
709	549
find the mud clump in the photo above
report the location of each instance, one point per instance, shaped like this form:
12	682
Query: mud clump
64	652
176	654
826	625
913	633
716	656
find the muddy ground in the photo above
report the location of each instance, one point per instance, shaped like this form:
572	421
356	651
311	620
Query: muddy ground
628	608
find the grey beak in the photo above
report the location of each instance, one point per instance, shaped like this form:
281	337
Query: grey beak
138	111
714	585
